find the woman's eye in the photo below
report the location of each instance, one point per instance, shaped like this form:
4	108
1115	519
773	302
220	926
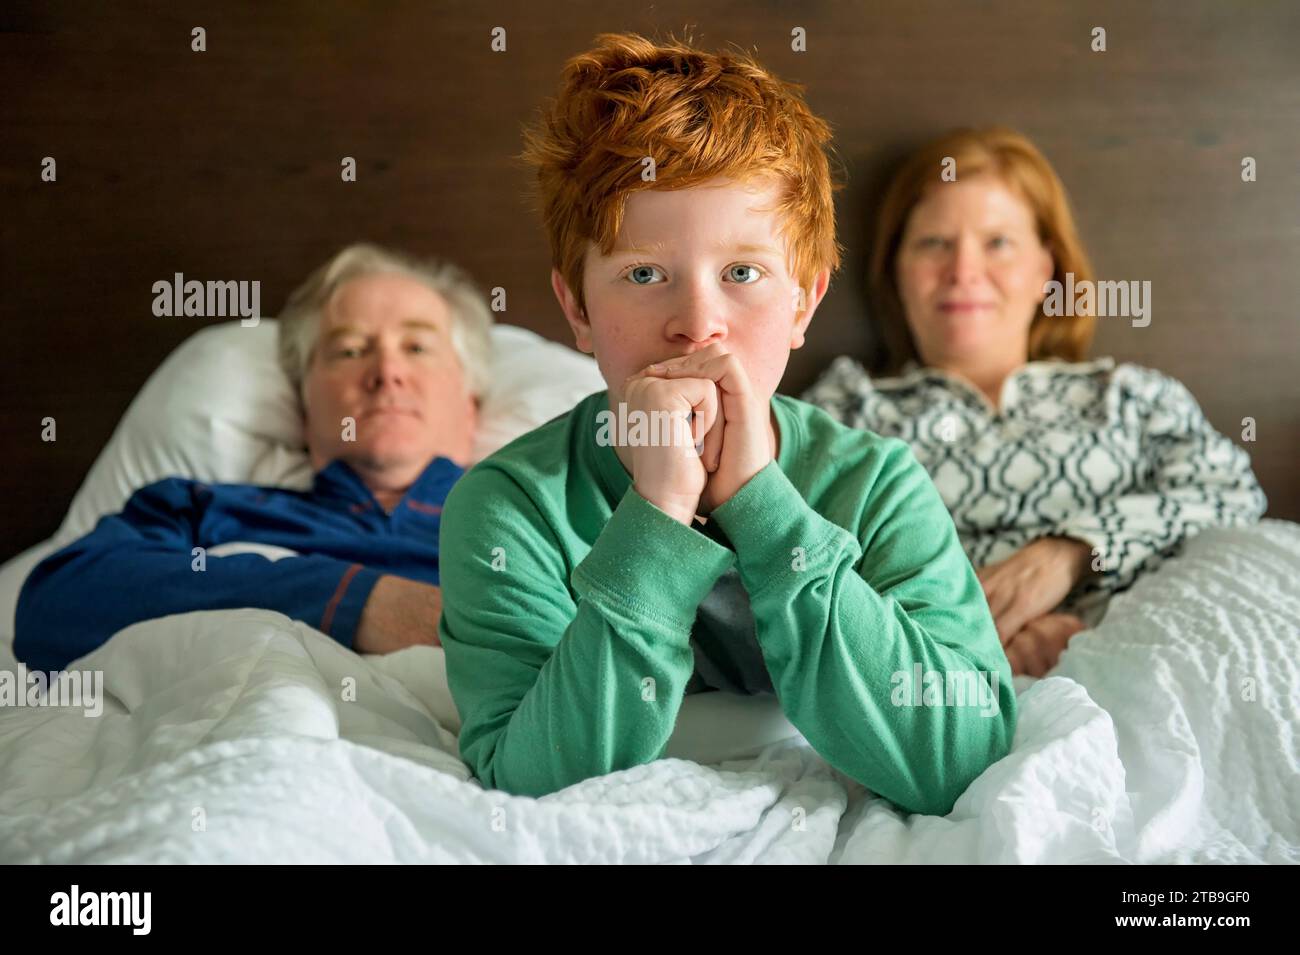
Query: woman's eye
744	274
642	274
348	353
418	348
930	242
999	242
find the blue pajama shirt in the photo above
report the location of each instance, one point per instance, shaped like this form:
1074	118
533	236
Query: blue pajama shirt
139	564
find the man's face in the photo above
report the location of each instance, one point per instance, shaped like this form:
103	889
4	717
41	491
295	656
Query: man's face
692	267
384	359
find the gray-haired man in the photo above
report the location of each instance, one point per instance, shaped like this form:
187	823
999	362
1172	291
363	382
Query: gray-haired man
389	355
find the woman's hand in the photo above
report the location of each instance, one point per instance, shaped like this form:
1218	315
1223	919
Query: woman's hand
1033	581
1036	648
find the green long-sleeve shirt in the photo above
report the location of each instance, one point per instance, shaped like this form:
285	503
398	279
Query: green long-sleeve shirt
569	600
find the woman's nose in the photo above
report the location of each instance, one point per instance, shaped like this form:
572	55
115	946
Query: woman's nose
967	262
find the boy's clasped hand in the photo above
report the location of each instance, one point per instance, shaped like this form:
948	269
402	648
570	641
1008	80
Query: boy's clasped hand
730	425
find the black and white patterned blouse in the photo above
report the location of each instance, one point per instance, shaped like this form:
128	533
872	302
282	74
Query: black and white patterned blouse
1120	457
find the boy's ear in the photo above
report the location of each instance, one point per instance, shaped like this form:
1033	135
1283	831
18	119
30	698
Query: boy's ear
576	317
820	283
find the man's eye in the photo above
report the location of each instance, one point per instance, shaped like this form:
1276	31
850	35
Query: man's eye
748	274
999	242
930	242
349	352
418	348
642	274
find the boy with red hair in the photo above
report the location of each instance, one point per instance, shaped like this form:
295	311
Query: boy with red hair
590	581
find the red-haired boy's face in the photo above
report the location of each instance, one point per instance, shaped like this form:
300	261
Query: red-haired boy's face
691	268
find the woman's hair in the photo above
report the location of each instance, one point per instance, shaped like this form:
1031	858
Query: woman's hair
1012	158
698	116
470	315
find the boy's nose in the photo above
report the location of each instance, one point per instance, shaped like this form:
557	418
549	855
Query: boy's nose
698	318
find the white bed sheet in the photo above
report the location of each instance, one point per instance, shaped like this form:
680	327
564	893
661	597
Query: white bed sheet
1167	734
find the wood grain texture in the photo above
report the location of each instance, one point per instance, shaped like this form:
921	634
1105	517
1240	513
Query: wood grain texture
225	165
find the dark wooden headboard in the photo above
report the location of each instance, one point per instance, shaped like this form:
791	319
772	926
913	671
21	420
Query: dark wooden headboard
225	164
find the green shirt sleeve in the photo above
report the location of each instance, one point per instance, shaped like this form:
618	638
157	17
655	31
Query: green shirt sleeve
563	673
877	642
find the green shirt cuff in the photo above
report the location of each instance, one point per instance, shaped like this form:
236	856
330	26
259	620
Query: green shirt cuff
777	536
652	565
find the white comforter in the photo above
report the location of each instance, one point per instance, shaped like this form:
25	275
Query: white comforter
1167	734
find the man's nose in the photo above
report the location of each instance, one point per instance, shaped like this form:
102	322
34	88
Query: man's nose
697	316
387	368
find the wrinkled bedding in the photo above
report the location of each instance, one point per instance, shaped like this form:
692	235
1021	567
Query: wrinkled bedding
1166	734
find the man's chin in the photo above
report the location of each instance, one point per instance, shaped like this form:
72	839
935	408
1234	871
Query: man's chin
385	460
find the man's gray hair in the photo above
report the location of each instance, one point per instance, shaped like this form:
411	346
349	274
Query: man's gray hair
471	318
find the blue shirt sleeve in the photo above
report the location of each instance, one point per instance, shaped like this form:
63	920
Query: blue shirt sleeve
139	564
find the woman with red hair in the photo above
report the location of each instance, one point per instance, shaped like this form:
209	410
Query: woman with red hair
1067	478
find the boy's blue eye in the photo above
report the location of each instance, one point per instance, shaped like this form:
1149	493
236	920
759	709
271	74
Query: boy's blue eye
639	272
754	274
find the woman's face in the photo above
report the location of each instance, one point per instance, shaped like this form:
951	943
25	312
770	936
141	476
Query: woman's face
971	271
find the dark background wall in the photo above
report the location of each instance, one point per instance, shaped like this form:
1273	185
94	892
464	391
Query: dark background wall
225	165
